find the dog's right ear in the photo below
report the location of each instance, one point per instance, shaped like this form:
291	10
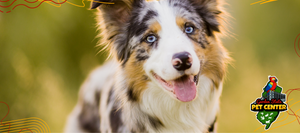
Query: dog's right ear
112	17
114	11
97	3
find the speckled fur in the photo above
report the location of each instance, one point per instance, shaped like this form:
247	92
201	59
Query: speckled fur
123	95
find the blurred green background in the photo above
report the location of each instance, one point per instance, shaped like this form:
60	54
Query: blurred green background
47	52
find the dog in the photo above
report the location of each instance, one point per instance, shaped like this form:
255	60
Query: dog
167	70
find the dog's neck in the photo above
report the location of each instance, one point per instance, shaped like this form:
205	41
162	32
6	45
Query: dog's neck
159	112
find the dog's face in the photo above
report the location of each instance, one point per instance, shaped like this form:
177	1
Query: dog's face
165	42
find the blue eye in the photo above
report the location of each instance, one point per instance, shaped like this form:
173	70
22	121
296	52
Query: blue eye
151	38
189	29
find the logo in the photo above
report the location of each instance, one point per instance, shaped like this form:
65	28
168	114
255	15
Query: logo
271	103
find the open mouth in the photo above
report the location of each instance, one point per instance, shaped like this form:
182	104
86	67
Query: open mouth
184	88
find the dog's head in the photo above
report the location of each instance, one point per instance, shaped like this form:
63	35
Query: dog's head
165	42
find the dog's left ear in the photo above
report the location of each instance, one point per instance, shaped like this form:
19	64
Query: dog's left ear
210	11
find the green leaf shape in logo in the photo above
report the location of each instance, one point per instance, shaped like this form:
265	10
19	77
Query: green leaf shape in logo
267	117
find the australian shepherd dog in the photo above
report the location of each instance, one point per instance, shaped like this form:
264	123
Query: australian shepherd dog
167	69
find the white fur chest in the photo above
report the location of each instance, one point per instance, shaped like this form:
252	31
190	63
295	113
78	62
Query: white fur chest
176	116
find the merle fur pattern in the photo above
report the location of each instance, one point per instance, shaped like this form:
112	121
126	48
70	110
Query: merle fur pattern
125	41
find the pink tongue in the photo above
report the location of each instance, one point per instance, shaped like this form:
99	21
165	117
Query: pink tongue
185	89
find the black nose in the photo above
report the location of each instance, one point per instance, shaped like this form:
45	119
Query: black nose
182	61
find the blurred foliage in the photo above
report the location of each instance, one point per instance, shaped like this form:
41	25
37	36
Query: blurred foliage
45	55
47	52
